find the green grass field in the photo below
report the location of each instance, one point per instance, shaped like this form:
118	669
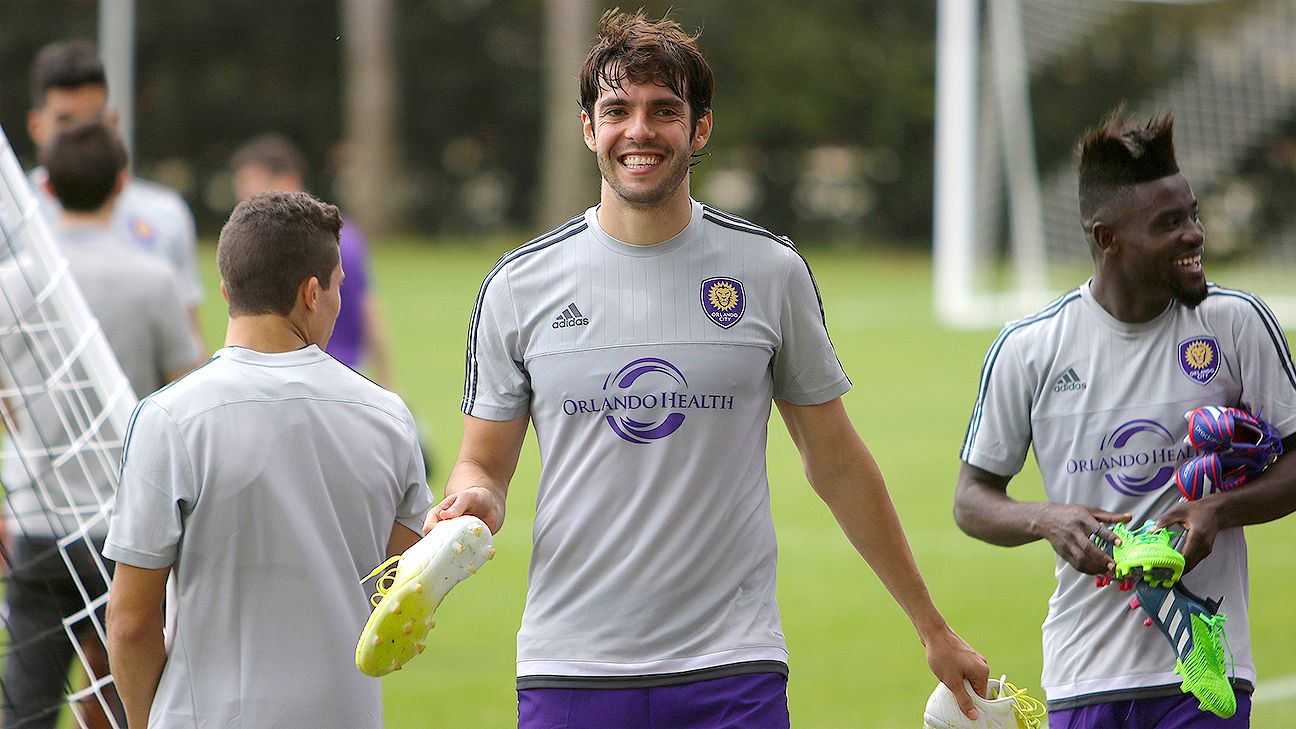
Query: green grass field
855	661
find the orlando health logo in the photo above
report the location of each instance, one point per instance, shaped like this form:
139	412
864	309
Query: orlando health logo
642	401
1130	452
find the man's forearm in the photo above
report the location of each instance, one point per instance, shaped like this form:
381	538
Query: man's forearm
1270	496
136	661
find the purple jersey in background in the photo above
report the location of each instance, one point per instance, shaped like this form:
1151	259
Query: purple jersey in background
347	344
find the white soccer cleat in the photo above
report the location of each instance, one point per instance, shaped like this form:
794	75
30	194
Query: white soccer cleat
410	592
1009	708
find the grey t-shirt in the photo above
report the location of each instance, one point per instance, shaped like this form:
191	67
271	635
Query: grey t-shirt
648	372
135	298
152	217
269	483
1102	402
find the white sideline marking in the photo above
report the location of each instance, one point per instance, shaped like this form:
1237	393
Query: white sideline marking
1277	689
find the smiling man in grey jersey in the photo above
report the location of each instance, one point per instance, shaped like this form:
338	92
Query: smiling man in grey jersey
651	599
1098	383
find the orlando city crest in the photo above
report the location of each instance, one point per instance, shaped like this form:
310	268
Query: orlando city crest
1199	359
723	301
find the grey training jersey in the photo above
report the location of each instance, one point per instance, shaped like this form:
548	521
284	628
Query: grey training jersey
151	217
269	484
648	372
1103	402
135	298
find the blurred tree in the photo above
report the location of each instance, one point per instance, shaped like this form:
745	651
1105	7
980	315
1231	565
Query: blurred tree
369	156
566	183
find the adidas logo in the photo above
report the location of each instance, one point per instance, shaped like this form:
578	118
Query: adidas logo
570	317
1069	381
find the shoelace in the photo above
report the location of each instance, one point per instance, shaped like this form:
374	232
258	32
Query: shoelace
1217	621
1030	710
385	582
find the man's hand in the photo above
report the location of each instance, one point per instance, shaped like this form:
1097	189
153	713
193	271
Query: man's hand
475	501
1200	523
1070	528
952	661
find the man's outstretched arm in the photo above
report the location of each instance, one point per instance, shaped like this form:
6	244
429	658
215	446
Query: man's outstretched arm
983	509
478	483
844	474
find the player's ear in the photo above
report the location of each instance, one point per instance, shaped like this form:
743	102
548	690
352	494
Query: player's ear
703	131
308	293
34	128
1105	237
587	127
224	292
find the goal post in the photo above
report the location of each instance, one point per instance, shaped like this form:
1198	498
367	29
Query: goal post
65	405
1017	81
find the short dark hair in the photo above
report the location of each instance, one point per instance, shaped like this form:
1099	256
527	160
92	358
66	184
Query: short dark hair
272	242
632	47
273	152
1116	155
83	164
65	65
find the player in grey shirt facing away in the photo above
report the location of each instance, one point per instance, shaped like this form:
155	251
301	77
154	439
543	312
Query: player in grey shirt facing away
1098	383
270	480
646	341
135	298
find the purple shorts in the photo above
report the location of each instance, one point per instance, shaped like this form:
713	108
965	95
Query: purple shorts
751	701
1168	712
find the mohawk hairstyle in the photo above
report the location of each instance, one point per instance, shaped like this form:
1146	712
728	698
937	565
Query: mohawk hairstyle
630	47
1116	155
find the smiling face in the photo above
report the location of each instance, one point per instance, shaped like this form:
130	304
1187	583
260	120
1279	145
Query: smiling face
643	139
1160	240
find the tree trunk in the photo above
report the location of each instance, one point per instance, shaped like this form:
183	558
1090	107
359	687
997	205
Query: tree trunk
369	181
568	181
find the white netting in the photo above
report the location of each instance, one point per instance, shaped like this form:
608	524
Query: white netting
1226	67
66	405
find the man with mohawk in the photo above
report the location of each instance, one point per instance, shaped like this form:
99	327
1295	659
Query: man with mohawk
1098	382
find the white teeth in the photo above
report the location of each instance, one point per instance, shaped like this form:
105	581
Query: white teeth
1188	261
636	160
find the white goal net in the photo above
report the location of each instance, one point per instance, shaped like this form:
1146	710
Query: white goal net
1019	80
65	407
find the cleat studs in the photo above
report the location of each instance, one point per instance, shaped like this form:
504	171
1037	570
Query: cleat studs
419	588
472	569
1135	603
420	646
477	531
377	641
460	548
430	622
490	553
396	607
395	665
1147	622
409	627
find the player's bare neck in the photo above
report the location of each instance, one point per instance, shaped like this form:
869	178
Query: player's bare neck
1127	303
269	333
644	225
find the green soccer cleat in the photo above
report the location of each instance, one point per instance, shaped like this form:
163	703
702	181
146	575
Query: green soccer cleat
1147	552
1195	628
411	590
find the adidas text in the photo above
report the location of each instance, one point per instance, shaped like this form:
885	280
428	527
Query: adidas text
570	317
570	323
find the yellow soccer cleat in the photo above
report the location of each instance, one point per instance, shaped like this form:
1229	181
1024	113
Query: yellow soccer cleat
412	587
